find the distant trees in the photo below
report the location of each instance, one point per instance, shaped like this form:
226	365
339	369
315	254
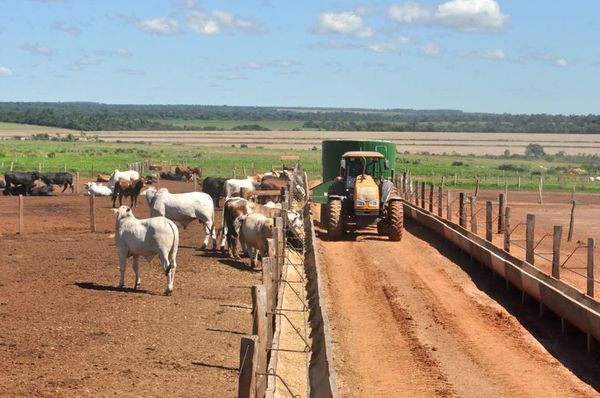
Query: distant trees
535	151
85	116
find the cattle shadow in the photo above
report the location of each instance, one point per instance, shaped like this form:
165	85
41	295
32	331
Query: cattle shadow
240	266
226	331
214	366
568	348
107	288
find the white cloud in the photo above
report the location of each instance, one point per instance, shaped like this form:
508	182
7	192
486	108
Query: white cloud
64	27
348	23
335	45
561	62
161	26
382	47
463	15
217	21
5	71
410	13
121	52
404	40
36	49
497	54
429	50
471	15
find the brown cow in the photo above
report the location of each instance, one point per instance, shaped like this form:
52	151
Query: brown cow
102	177
126	188
233	208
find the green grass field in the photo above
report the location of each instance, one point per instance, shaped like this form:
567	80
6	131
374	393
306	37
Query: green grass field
230	124
4	126
101	157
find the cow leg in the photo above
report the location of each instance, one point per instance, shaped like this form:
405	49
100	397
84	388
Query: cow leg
72	188
114	198
253	258
168	268
224	237
65	188
136	270
122	265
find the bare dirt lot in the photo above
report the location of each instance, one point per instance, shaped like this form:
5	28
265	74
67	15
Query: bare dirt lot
66	330
415	319
437	143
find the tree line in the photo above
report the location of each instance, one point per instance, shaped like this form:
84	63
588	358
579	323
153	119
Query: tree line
87	116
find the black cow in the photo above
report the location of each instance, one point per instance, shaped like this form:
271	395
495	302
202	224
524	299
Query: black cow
45	190
215	187
15	179
64	179
18	190
126	188
173	176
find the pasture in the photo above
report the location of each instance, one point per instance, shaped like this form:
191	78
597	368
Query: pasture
460	171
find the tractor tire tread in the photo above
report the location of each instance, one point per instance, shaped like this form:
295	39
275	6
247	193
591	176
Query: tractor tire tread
396	223
334	219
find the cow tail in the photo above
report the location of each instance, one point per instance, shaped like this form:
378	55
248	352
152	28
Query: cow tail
173	251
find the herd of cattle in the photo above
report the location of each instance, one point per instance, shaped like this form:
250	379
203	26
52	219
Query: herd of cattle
246	221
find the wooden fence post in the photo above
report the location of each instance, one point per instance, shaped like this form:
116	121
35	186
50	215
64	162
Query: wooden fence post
431	197
267	281
11	166
556	251
462	221
500	213
423	195
488	220
21	220
195	182
477	188
529	239
77	182
519	183
571	223
417	193
507	229
449	205
92	213
473	203
540	188
259	328
590	266
280	245
440	200
248	369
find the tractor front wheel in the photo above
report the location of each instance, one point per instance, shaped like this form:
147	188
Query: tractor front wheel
335	226
396	220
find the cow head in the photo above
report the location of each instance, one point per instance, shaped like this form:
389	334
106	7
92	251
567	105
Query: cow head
123	212
295	223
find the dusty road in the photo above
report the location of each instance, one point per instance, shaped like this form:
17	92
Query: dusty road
414	319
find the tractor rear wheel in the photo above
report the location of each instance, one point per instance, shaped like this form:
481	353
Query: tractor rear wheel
335	226
396	223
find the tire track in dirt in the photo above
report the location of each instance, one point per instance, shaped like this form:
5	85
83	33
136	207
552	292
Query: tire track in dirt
408	321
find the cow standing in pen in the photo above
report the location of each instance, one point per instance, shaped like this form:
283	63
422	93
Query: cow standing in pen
185	208
147	238
63	179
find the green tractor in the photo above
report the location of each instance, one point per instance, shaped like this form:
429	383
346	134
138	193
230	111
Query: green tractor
361	194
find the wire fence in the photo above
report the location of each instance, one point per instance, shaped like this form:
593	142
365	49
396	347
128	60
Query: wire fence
512	226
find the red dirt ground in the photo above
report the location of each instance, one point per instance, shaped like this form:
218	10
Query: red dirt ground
415	319
66	330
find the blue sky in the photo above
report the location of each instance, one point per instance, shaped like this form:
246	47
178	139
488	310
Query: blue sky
517	56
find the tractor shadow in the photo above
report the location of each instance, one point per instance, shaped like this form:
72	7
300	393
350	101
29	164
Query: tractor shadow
569	348
106	288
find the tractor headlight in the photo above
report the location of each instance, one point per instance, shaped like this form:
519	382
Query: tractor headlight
360	202
374	203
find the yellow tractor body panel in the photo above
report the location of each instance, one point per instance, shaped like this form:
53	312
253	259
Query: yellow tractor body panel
366	194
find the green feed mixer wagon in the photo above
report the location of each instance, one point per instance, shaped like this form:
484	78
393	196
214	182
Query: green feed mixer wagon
357	188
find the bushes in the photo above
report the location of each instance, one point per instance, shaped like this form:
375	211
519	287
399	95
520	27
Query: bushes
511	167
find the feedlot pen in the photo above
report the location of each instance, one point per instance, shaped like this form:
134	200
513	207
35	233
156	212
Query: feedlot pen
66	330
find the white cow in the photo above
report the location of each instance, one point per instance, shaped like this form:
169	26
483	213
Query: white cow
234	187
98	189
146	238
255	229
129	175
184	208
